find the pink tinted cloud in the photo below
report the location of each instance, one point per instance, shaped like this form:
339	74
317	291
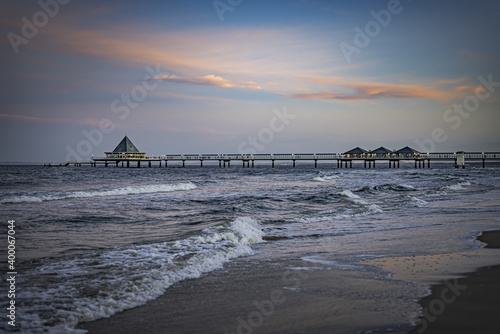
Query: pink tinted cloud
345	89
209	80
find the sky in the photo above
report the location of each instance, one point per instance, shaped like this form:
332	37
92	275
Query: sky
241	76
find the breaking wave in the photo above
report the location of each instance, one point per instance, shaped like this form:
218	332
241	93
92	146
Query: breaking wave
132	190
95	286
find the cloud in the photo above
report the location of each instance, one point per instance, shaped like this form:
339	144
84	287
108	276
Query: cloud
367	91
347	90
209	80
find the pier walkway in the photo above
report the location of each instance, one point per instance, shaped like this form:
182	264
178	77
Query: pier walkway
342	160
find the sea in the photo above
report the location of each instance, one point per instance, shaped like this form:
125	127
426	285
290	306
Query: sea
93	242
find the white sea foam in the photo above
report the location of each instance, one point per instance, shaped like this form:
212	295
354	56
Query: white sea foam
348	193
458	186
405	186
324	178
131	190
337	264
418	201
100	285
370	207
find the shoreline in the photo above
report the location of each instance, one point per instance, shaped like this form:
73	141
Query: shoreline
464	305
280	299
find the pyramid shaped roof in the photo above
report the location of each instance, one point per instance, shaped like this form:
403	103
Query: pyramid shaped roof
381	150
356	150
125	145
406	150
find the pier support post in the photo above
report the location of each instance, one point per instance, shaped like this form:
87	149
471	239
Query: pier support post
338	163
253	163
350	163
183	163
398	163
139	164
365	163
429	163
315	163
166	161
116	163
374	163
272	163
229	164
220	163
149	164
484	163
294	164
201	163
128	164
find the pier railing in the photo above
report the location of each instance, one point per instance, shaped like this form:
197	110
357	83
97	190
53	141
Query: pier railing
311	156
420	159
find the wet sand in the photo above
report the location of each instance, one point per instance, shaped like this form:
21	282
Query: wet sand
258	297
465	305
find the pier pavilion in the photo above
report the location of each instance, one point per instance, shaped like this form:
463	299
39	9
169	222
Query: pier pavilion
126	150
380	152
356	152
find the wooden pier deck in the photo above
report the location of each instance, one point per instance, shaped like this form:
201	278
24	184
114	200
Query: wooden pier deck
342	160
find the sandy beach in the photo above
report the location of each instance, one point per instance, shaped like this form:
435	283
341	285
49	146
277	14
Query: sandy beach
250	296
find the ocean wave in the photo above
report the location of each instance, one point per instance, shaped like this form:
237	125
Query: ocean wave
325	178
387	187
368	208
99	285
457	186
131	190
417	201
358	208
349	194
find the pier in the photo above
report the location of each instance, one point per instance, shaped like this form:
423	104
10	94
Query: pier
127	155
459	159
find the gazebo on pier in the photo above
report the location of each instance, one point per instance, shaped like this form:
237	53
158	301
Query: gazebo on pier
381	152
356	152
126	150
407	152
